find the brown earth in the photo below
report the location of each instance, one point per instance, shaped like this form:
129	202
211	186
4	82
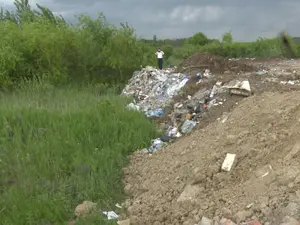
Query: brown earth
183	182
214	63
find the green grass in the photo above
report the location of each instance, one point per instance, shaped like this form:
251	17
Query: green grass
59	147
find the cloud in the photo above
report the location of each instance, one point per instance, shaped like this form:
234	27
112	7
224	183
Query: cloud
247	20
188	14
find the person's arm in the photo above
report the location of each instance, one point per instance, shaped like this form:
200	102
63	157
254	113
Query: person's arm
162	52
155	53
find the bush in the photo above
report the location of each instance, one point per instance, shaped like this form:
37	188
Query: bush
261	48
39	45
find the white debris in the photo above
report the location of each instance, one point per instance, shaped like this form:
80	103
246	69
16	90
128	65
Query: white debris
240	88
111	215
250	205
133	107
228	162
118	206
154	89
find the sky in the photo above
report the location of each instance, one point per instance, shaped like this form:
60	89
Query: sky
246	20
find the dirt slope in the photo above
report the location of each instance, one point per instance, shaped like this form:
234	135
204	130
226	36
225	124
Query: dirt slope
264	132
199	61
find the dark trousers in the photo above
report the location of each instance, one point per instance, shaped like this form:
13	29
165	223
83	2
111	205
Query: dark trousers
160	63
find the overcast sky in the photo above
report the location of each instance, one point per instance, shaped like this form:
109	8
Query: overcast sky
247	20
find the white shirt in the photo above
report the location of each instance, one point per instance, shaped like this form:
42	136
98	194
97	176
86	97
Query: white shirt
159	54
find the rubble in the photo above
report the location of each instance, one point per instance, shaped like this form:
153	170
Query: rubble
186	182
153	89
111	215
228	162
240	88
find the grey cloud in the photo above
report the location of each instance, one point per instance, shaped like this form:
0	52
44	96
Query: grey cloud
247	20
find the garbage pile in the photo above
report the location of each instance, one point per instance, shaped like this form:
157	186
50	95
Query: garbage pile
153	90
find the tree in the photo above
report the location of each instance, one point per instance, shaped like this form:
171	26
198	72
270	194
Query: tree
154	40
198	39
227	38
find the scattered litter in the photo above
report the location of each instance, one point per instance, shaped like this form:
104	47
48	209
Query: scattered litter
224	117
158	88
198	76
262	72
228	162
173	132
165	138
144	150
133	107
213	91
240	88
118	206
188	126
219	83
207	73
111	215
156	145
250	205
291	82
155	113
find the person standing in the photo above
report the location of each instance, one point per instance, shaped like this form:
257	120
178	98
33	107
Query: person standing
160	55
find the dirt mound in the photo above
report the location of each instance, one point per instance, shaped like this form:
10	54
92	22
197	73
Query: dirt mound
183	182
215	64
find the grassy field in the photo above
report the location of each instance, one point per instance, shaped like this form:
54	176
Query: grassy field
60	147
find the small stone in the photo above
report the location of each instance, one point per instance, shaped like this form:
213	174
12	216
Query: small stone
290	221
85	208
226	212
242	216
126	203
216	220
266	211
127	188
188	222
225	221
253	222
199	178
124	222
206	221
197	218
189	193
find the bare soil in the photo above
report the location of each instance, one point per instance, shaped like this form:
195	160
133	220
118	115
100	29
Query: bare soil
184	181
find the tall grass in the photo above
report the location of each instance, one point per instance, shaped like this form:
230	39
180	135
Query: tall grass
59	147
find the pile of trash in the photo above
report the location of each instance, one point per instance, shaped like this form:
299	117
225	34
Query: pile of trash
153	90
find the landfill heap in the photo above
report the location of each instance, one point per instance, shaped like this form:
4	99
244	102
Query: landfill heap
152	90
237	172
242	167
